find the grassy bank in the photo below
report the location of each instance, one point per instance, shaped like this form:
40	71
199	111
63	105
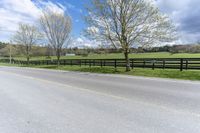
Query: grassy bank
175	74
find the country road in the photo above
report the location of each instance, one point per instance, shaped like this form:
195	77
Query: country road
49	101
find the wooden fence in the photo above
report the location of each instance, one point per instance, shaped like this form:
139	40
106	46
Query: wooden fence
163	63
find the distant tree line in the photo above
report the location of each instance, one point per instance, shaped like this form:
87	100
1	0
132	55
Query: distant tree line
190	48
173	49
19	50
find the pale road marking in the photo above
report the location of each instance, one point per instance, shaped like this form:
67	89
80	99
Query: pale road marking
104	94
116	75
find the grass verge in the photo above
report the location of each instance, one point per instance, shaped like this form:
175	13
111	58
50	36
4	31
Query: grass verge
167	73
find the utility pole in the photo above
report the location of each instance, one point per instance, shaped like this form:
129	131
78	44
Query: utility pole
10	52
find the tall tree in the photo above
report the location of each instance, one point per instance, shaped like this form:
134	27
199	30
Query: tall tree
128	23
27	35
57	28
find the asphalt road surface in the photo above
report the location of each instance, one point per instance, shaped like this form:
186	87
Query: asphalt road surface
48	101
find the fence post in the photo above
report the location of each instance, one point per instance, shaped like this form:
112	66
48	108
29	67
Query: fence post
163	64
181	65
132	63
115	64
71	62
80	62
153	65
144	62
101	63
64	62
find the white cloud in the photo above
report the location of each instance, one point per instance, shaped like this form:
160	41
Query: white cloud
48	5
185	14
13	12
83	42
170	6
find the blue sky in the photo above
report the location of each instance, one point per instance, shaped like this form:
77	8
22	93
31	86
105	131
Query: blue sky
77	11
75	8
184	13
12	12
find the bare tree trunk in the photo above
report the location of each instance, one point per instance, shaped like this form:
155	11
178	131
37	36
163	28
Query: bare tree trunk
57	27
58	57
27	55
127	60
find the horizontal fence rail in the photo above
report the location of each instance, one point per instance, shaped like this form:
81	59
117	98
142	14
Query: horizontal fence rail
163	63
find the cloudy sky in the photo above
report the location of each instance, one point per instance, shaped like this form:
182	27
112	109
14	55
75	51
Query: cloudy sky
184	13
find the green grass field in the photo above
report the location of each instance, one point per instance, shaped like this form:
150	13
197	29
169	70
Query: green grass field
188	75
120	55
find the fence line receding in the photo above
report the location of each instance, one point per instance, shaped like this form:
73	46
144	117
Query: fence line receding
162	63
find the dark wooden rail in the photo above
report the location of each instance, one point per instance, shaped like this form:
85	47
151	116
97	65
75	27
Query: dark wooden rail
163	63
